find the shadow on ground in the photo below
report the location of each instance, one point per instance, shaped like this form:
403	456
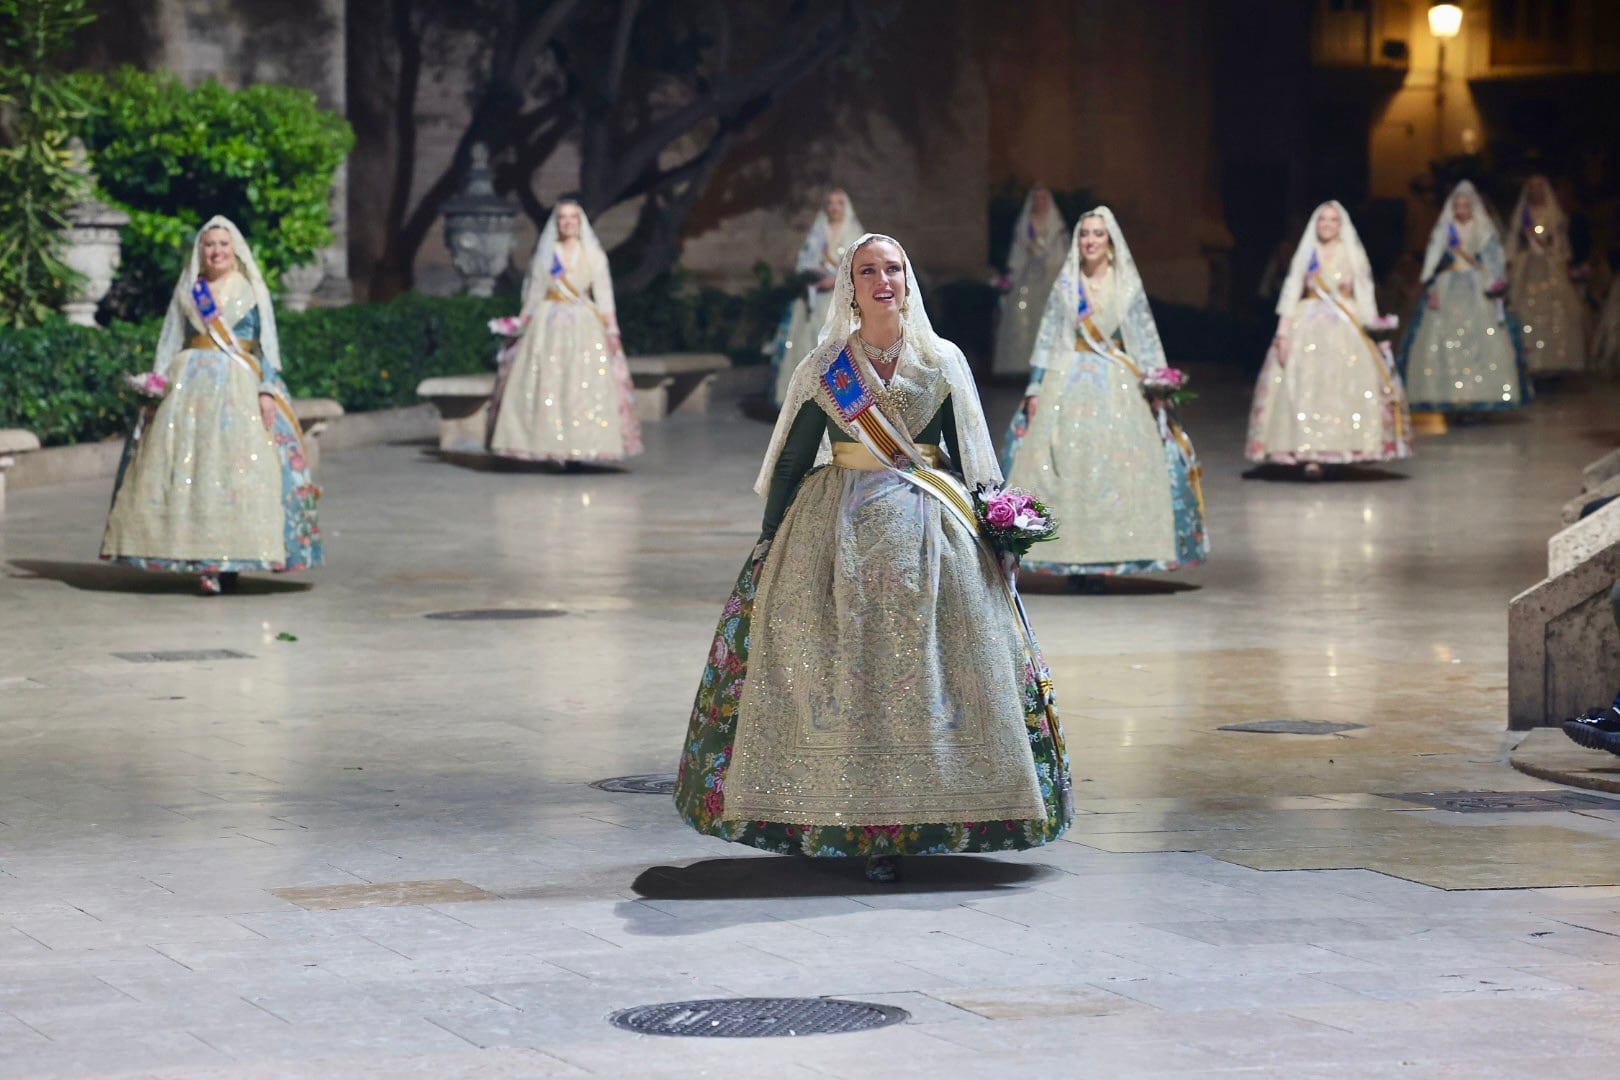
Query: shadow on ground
481	461
1035	583
1331	474
758	878
932	882
113	577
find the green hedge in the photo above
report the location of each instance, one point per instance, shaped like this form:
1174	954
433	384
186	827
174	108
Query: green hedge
65	383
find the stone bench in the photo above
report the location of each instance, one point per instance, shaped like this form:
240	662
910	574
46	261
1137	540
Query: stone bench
13	441
663	383
313	415
1563	649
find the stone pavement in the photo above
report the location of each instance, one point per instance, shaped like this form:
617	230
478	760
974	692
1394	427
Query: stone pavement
373	851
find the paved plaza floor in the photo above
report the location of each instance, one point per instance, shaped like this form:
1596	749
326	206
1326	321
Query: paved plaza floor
373	850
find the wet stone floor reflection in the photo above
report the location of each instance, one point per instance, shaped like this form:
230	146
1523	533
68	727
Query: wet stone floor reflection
375	850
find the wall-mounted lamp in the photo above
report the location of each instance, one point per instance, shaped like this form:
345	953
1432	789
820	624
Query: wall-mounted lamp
1445	20
1445	23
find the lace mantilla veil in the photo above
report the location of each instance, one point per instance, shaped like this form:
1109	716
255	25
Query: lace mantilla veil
1366	307
1553	220
546	246
1475	235
1136	323
182	319
1047	232
925	347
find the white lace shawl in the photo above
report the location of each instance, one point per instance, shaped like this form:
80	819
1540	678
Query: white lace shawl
182	319
824	236
1476	235
1046	233
591	271
1130	301
978	453
1549	215
1362	301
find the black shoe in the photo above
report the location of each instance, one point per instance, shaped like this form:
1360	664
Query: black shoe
1598	729
883	869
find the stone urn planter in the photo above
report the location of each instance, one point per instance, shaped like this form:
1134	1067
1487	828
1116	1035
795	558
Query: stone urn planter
94	246
478	228
298	284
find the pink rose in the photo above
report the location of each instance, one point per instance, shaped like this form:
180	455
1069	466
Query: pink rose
1000	511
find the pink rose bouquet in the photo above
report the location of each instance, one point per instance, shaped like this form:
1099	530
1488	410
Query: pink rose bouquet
509	326
1013	519
147	384
1166	384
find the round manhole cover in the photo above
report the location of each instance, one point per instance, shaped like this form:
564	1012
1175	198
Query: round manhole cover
645	784
1293	727
495	614
755	1018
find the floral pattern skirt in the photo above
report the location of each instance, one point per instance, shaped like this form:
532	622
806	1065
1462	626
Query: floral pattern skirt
701	783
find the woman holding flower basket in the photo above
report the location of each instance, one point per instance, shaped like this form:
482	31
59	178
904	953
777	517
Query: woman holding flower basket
873	688
1099	432
214	481
563	392
1328	395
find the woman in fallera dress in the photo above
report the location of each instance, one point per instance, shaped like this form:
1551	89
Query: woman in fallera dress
870	690
1327	395
563	391
1118	468
1541	294
1034	258
214	481
831	233
1461	353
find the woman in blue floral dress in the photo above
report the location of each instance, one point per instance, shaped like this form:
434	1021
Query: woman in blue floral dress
214	480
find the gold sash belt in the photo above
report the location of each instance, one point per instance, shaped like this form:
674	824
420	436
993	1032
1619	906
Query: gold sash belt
203	341
854	455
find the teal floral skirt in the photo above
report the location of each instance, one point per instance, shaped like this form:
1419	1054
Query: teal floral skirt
701	783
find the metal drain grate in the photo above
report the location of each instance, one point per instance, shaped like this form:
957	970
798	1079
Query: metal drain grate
1293	727
179	655
495	614
645	784
754	1018
1497	802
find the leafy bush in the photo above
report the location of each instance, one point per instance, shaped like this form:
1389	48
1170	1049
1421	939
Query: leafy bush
371	356
264	156
676	314
37	183
65	383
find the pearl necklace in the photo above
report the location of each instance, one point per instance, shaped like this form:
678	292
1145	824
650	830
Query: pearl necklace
877	355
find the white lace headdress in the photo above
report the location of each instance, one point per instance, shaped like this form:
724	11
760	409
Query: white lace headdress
1363	303
1551	218
1136	323
978	462
183	310
1474	234
593	272
823	235
1047	232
